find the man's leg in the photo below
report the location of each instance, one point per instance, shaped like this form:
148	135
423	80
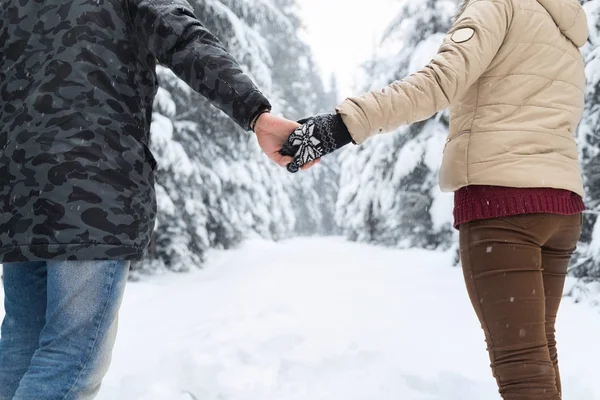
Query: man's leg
502	264
77	340
556	256
25	308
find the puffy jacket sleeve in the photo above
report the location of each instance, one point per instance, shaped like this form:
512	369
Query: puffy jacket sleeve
465	54
178	40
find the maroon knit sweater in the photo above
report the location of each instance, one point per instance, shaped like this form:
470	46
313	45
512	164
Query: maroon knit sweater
484	202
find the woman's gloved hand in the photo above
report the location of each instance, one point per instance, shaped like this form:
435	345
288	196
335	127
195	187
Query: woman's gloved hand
316	137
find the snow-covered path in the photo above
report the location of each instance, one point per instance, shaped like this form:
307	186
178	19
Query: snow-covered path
318	319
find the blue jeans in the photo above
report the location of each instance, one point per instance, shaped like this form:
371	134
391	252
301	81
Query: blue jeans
59	329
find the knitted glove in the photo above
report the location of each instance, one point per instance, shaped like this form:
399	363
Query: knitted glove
316	137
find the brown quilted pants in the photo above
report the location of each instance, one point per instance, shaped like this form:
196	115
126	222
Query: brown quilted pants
515	270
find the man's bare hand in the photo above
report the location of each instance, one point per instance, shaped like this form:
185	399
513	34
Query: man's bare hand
272	132
310	164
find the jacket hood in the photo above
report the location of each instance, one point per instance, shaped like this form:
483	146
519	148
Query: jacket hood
568	15
570	18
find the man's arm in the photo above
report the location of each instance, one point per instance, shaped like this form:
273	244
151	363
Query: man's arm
467	51
178	40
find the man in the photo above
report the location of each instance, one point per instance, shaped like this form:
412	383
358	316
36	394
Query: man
77	83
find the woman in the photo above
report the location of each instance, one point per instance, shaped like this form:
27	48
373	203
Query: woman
513	76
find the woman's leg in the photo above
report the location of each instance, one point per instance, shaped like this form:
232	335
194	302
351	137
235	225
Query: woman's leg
556	256
25	307
502	265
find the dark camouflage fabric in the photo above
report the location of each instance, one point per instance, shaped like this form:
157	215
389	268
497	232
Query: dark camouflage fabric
77	83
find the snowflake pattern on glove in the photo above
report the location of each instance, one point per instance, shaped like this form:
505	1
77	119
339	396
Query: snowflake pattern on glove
308	144
316	137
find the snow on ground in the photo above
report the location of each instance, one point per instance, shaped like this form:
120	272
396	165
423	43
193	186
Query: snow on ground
316	319
320	319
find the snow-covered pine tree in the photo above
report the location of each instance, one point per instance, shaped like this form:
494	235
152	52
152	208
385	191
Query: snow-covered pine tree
333	92
588	262
388	190
326	178
214	186
300	88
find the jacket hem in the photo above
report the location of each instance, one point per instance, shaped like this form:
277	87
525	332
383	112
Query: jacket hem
70	252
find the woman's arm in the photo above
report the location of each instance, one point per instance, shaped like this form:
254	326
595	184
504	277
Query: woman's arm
467	51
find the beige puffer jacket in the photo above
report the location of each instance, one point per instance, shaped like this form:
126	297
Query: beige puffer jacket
513	75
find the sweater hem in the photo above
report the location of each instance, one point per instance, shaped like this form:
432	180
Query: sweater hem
499	205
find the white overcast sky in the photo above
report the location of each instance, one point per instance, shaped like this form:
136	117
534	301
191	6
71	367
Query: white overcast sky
342	34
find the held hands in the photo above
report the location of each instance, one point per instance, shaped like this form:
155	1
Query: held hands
272	132
316	137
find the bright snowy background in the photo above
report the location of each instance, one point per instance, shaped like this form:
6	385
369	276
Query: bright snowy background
343	35
321	319
336	284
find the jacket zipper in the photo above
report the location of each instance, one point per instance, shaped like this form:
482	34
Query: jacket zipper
456	136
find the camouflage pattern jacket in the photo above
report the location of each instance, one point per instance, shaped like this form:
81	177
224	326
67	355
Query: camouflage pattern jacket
77	83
